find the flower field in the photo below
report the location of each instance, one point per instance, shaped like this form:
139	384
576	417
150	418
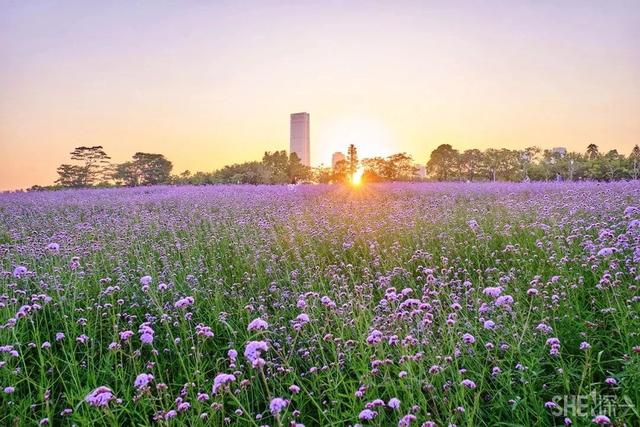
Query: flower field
384	305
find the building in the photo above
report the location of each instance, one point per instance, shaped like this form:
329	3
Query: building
337	157
299	141
422	172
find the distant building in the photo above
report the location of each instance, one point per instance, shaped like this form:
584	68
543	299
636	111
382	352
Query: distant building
559	151
299	142
422	171
337	157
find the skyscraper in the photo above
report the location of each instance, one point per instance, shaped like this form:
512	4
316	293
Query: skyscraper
299	142
337	157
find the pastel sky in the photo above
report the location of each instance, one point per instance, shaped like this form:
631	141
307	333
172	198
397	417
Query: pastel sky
208	83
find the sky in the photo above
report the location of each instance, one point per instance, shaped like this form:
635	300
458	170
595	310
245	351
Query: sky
209	83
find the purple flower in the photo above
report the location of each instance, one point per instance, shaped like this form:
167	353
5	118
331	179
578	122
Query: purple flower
375	337
300	321
277	405
220	380
553	341
184	302
468	383
505	300
145	280
601	419
204	331
101	396
604	252
492	291
489	324
406	420
146	333
253	352
394	403
468	339
367	414
257	325
142	381
19	271
9	389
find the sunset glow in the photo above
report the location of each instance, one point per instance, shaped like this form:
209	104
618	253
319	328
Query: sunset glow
356	179
213	83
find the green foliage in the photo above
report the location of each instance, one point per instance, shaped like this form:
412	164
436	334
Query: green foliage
144	169
93	167
443	162
447	164
396	167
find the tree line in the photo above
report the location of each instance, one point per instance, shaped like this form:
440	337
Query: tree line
280	168
91	166
532	163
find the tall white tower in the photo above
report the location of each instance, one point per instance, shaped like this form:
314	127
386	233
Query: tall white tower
299	142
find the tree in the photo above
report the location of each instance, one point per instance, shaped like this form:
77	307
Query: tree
94	161
340	171
442	163
152	168
71	176
375	168
94	166
471	163
492	160
592	151
526	158
613	166
296	171
322	174
399	167
277	163
352	160
502	163
144	169
126	174
396	167
243	173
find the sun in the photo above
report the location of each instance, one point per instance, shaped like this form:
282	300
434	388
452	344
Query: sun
356	179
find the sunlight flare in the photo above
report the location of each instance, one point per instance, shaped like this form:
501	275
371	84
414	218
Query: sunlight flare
356	178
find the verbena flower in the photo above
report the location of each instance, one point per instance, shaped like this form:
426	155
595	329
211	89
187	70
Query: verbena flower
100	396
277	405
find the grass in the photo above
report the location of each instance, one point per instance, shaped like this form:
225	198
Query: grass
249	252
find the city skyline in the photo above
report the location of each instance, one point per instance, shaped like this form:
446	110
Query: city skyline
212	84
